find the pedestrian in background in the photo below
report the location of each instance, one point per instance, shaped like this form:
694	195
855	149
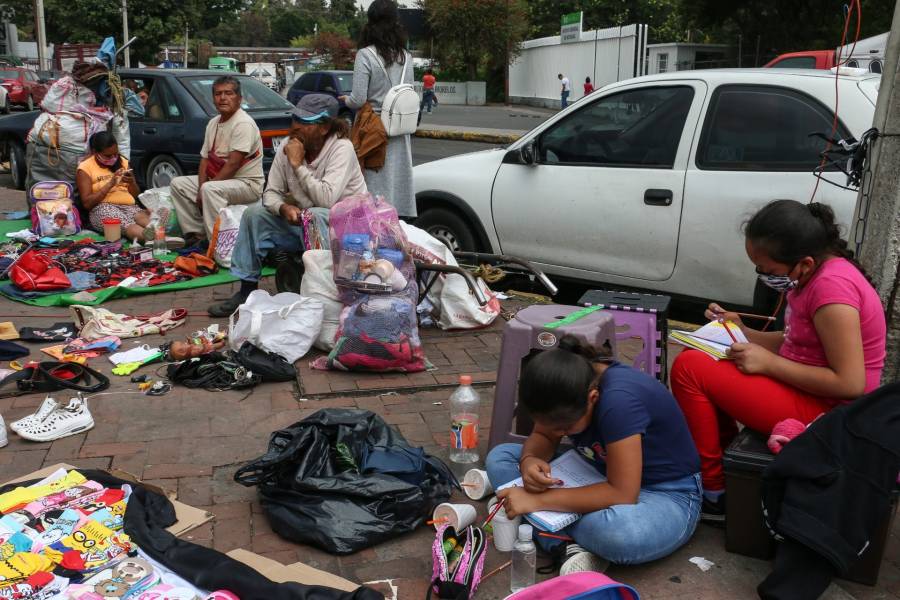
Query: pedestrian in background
588	86
381	63
564	92
428	97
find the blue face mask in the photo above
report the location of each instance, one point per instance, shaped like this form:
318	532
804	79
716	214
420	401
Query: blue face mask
779	283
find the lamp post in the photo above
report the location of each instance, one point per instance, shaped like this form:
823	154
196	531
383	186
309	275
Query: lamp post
125	37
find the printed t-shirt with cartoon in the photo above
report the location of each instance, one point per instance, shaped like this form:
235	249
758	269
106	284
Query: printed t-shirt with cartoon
238	134
632	402
836	281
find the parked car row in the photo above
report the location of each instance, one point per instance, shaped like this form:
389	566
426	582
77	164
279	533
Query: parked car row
24	87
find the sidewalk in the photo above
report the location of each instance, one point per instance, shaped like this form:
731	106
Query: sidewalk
192	441
495	123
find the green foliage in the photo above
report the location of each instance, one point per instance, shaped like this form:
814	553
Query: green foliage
663	16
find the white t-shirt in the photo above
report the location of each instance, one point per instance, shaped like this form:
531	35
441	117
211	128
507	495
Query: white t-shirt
565	84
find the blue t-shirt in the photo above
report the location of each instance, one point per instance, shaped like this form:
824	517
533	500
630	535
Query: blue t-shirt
633	402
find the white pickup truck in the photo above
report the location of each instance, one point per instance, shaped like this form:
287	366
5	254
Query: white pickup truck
646	183
265	73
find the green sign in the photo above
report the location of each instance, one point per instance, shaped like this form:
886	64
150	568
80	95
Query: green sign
570	27
572	19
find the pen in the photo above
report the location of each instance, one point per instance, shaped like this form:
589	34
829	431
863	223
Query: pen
497	508
728	329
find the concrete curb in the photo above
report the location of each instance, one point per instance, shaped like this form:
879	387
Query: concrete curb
468	136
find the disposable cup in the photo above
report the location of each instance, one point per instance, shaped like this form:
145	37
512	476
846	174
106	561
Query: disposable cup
112	229
478	485
506	530
458	516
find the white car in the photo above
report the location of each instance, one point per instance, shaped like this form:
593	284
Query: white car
646	183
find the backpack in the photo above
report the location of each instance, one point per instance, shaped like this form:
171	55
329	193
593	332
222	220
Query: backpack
53	210
400	107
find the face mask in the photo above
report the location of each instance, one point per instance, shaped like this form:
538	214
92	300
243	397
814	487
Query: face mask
779	283
107	161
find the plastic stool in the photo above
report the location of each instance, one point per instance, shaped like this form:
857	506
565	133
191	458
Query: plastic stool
646	316
535	329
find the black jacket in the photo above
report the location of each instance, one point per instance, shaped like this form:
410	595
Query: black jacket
830	488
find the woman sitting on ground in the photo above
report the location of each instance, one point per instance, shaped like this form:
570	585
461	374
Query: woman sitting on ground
831	351
108	189
627	426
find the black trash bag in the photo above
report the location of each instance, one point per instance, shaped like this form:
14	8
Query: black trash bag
212	371
316	489
268	365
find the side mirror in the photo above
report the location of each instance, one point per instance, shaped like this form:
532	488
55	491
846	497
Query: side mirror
523	155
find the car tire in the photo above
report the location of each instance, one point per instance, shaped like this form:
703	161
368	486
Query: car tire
17	166
161	171
29	105
450	228
5	109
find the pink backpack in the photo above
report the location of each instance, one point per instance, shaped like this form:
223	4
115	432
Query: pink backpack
578	586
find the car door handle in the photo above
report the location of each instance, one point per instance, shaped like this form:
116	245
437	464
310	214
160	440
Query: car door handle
658	197
150	130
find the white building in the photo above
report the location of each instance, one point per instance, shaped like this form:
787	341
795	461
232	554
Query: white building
686	56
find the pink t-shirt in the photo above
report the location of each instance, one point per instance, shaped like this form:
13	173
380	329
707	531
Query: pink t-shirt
836	281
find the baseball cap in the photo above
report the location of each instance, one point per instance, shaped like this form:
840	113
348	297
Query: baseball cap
315	107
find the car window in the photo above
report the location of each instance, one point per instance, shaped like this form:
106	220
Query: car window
763	128
346	82
307	83
256	96
636	128
9	74
159	105
326	84
796	62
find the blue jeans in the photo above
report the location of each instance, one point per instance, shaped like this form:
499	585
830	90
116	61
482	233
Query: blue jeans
663	519
261	232
564	99
427	100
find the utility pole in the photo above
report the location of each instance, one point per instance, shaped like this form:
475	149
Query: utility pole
876	229
185	64
41	33
125	37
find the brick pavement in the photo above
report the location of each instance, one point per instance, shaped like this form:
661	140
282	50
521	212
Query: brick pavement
191	442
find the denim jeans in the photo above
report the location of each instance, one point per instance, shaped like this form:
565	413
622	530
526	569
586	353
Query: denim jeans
261	232
663	519
564	99
427	100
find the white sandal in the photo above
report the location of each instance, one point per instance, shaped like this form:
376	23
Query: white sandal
64	421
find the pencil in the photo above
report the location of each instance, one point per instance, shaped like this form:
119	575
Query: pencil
752	316
497	508
728	329
497	570
564	538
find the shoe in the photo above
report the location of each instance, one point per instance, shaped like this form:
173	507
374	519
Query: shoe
47	406
62	422
713	513
4	440
226	307
578	560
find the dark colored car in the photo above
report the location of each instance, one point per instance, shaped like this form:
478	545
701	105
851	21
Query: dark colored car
49	77
333	83
23	86
166	141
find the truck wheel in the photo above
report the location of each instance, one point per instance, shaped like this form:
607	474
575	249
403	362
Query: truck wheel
448	227
17	164
161	171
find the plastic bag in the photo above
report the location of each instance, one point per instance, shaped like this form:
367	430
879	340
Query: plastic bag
285	323
120	130
455	304
318	282
225	231
161	198
69	130
312	489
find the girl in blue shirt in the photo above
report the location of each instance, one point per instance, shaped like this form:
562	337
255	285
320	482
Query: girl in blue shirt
629	427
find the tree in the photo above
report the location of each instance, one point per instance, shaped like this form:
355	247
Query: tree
287	23
342	11
663	16
477	33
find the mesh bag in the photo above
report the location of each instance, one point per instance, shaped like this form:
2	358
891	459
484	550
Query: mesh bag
376	283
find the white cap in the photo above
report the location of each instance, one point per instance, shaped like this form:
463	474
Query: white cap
525	532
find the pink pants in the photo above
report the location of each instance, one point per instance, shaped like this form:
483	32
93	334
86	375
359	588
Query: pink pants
714	394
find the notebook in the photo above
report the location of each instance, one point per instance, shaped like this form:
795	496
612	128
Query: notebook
711	338
574	471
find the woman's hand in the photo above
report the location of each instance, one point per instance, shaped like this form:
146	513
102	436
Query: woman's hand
536	474
127	177
342	99
519	501
715	313
751	359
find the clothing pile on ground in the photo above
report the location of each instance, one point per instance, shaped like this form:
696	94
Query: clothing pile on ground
90	100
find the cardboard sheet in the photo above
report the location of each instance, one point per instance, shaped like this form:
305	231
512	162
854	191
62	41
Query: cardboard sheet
188	517
299	572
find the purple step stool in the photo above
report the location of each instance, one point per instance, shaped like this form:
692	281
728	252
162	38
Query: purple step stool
646	316
535	329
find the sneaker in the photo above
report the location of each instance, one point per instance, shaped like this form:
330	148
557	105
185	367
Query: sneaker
226	307
4	440
713	512
64	421
578	560
47	406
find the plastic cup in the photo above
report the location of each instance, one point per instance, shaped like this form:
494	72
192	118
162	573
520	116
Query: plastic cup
458	516
506	530
478	485
112	229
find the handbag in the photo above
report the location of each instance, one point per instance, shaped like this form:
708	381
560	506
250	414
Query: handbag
285	324
95	323
34	272
269	366
458	562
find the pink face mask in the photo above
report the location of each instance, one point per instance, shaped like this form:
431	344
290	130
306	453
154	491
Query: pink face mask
106	161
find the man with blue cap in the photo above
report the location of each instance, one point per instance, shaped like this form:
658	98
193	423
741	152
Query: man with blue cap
315	168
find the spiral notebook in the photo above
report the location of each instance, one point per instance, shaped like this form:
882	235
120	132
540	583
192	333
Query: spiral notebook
712	338
574	471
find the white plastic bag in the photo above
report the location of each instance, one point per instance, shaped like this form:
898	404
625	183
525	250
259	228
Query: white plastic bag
161	198
286	323
318	283
226	228
122	134
69	131
65	93
456	305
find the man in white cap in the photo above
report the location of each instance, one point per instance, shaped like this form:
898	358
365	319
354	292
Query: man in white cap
314	169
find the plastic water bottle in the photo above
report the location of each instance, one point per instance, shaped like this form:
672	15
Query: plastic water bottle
524	558
464	422
159	241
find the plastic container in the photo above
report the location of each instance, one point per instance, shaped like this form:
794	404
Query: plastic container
160	248
524	559
506	530
112	229
458	516
464	404
476	484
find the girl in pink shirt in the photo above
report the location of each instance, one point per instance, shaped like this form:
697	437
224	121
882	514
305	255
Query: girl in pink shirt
831	351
